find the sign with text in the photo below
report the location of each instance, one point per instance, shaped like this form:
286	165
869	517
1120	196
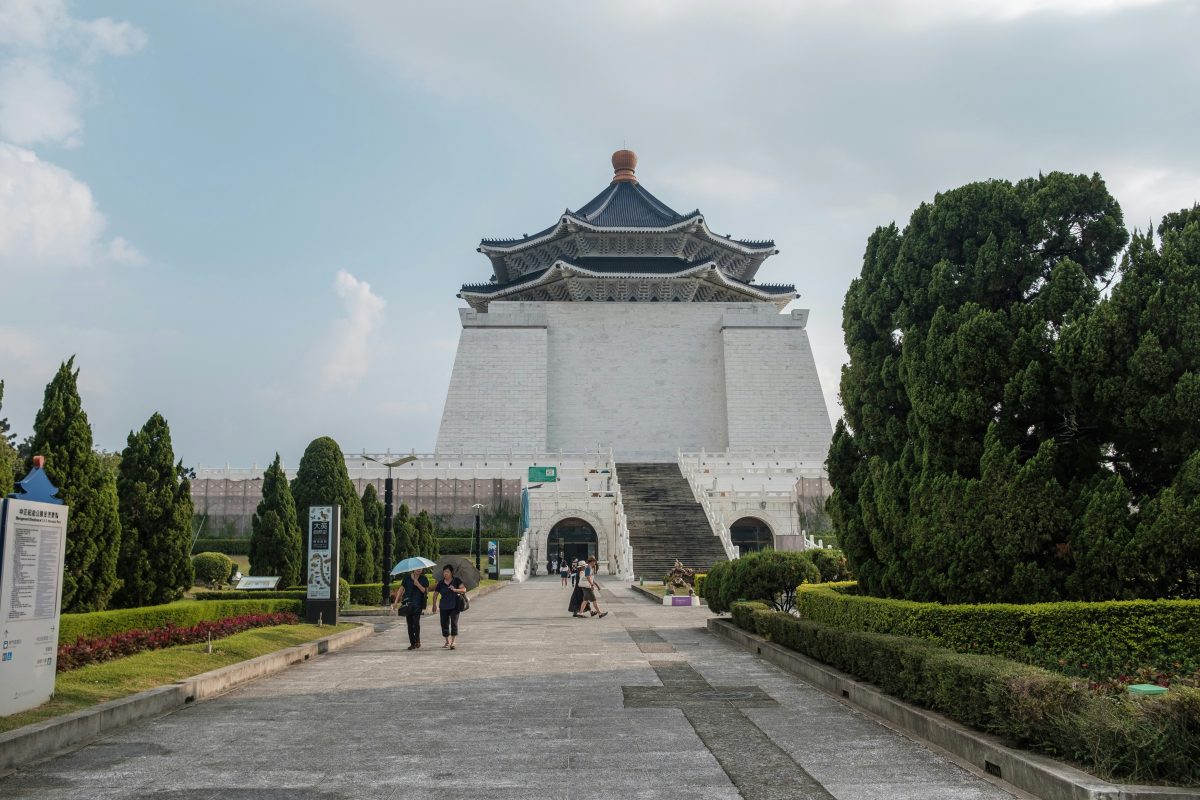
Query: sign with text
324	535
33	543
543	474
258	582
493	553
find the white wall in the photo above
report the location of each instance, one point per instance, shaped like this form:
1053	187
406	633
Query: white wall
497	396
643	378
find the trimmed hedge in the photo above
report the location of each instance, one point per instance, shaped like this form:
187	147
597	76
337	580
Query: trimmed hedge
368	594
1096	640
182	613
463	544
230	547
770	576
1119	737
253	594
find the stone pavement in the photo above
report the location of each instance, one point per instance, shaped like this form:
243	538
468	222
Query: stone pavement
533	704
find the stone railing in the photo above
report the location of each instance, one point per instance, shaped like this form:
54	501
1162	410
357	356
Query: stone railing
623	564
521	558
690	470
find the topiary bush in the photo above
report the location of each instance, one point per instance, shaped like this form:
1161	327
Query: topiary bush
770	576
212	569
714	586
831	564
343	594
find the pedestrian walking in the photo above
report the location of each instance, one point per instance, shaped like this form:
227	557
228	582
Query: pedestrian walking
411	596
446	602
590	588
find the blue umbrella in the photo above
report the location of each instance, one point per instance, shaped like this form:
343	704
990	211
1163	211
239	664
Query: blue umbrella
409	564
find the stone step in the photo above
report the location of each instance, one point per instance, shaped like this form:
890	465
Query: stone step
665	521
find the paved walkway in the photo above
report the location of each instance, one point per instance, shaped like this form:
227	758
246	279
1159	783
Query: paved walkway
534	704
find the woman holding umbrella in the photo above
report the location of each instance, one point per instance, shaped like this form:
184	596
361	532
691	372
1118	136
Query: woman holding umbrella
411	595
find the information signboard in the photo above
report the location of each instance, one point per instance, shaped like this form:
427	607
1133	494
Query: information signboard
324	535
543	474
33	543
258	582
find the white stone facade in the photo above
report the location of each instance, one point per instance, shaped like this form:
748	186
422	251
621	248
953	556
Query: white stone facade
644	379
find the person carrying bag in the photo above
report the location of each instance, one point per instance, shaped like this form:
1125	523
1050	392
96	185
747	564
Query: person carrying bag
411	596
449	601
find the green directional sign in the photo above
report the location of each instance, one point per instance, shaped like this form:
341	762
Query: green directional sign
543	474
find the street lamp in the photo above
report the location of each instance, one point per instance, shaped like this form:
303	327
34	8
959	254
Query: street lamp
387	519
478	543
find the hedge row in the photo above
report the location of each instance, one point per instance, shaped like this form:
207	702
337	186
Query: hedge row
183	614
464	544
1096	640
230	547
1119	737
254	594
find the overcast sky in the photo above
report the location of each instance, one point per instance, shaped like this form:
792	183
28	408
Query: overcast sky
254	217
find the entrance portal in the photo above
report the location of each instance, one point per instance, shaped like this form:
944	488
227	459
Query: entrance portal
573	538
749	534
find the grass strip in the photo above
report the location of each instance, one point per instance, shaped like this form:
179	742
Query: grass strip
99	683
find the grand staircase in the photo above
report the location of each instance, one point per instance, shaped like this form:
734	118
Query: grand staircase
665	521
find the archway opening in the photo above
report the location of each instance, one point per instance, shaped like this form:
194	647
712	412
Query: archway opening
572	538
749	534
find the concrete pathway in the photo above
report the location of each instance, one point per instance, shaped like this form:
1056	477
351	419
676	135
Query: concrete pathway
533	704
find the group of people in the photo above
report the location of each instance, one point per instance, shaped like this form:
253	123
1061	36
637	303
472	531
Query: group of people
584	597
411	597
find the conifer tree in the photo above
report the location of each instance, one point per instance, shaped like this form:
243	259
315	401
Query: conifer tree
9	462
322	480
275	541
404	535
426	543
373	520
62	434
155	503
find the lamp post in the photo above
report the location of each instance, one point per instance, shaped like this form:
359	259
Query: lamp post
478	547
387	519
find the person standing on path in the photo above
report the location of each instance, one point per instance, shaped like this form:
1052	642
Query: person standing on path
591	588
563	571
449	589
412	595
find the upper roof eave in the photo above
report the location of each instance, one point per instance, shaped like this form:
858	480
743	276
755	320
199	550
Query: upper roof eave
694	220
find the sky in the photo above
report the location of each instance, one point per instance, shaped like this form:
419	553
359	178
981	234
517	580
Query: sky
254	217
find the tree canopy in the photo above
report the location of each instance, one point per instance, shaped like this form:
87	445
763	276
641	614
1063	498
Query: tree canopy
1005	430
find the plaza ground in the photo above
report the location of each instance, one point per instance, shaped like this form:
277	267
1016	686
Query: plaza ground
533	704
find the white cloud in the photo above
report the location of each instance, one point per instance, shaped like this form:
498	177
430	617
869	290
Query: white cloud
49	217
48	25
36	106
353	336
1146	192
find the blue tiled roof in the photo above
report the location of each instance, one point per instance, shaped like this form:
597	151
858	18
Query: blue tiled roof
623	204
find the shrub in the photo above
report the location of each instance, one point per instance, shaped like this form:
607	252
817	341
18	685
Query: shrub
343	594
830	563
1138	739
253	594
182	613
230	547
715	585
698	583
770	576
94	650
458	545
1097	640
368	594
213	569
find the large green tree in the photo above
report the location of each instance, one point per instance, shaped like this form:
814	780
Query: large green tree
62	434
9	462
322	480
155	501
961	458
275	541
373	521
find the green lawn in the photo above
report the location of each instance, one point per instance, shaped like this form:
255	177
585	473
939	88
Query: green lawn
659	589
100	683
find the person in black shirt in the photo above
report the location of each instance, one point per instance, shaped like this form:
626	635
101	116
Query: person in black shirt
448	590
411	595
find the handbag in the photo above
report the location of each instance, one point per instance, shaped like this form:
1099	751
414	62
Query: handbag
463	602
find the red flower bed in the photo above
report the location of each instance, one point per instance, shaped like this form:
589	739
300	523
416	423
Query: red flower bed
105	648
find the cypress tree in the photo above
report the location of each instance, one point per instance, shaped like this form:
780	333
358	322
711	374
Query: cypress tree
275	541
322	480
155	502
404	535
373	520
62	434
425	542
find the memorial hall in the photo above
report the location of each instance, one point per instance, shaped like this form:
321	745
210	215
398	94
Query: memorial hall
629	347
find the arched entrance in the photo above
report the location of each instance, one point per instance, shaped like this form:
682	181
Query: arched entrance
574	538
749	534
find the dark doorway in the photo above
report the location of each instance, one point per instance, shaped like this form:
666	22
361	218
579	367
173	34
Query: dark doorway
749	534
573	538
